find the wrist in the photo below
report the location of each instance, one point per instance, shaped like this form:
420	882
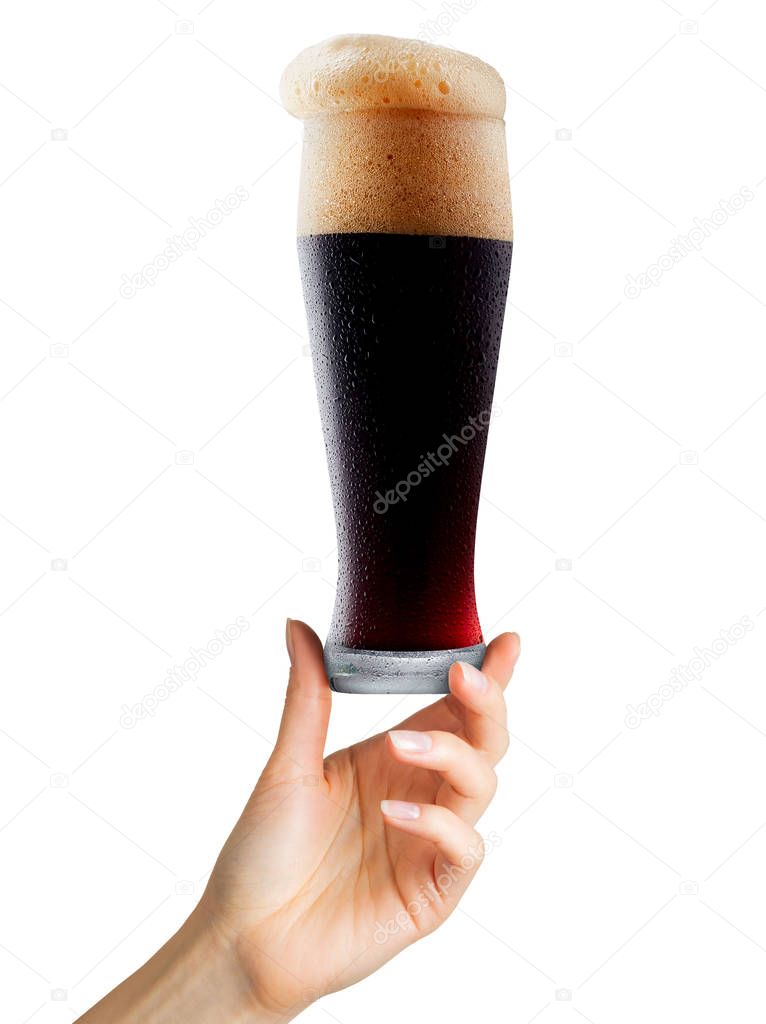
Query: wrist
196	977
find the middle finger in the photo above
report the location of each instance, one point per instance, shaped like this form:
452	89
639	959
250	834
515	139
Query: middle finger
466	771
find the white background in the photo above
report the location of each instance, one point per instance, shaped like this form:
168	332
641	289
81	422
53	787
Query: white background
628	885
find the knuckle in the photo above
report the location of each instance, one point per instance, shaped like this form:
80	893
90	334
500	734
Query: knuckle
478	847
473	856
503	743
453	748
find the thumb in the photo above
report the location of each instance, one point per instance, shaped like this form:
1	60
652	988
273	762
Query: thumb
302	733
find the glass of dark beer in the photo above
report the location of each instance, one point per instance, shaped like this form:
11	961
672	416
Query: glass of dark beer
404	242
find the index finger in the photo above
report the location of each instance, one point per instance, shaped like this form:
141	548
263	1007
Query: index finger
479	695
501	657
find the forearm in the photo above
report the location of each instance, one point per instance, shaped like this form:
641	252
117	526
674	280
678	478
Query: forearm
194	978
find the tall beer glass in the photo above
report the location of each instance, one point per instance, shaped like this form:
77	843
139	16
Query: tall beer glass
404	243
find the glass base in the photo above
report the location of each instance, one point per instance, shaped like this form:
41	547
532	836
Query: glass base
355	671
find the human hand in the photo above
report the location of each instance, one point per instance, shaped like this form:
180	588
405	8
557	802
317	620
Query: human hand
336	864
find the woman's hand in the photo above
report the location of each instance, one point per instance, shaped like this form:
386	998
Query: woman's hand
337	864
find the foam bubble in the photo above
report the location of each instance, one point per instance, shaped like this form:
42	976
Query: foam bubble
400	136
356	72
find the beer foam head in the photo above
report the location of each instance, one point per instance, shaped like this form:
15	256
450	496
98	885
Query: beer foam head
356	72
400	136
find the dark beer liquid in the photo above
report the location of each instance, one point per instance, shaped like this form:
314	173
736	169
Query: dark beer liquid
405	334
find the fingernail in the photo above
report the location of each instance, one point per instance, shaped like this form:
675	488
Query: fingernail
289	641
412	742
475	679
400	809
